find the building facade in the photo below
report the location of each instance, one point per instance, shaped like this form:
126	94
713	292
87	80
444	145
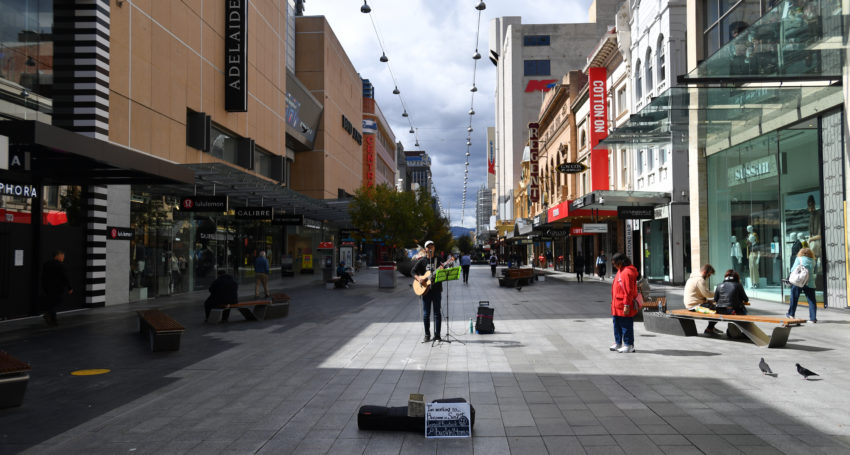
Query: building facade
379	146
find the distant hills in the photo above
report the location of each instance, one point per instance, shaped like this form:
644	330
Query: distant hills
460	231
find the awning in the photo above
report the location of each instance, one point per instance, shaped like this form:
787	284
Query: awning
523	226
61	157
245	189
610	200
564	212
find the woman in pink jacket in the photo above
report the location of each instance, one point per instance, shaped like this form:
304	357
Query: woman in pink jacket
623	293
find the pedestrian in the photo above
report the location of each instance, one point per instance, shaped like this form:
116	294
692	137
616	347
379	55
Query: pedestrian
465	262
578	265
223	292
624	291
431	298
493	262
806	258
697	295
729	296
261	272
54	283
600	264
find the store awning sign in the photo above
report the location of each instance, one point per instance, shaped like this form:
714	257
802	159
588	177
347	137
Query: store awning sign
571	168
635	212
204	204
253	213
119	233
12	189
287	219
326	245
594	228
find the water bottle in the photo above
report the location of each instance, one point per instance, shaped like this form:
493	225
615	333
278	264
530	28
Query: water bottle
470	325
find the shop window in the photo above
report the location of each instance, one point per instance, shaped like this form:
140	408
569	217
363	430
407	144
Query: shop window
662	75
535	40
638	81
649	85
650	159
223	144
26	45
640	162
622	104
537	68
624	171
262	162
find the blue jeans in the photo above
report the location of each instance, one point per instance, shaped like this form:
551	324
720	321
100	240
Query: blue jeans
432	299
624	330
810	296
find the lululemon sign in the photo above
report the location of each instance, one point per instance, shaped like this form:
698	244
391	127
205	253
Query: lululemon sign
598	98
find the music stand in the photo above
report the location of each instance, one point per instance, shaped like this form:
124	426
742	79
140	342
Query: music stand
450	274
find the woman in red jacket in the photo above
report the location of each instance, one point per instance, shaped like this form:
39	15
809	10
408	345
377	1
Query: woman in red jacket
623	293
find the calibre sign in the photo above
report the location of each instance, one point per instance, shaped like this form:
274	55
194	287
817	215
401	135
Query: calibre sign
534	165
235	56
571	168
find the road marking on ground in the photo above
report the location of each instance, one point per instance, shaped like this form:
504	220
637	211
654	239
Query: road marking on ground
91	372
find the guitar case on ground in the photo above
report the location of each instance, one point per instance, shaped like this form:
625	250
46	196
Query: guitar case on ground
484	321
394	418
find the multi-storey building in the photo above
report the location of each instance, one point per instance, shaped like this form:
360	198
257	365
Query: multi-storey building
379	146
418	165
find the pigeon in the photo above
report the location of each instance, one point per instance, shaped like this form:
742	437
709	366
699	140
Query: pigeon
764	367
519	288
805	373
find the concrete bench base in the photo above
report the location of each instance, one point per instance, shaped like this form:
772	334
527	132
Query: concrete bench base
658	322
277	310
12	389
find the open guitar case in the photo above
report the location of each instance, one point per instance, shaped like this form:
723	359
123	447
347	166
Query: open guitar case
386	418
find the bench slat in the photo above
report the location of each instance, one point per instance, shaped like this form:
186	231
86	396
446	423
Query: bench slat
159	321
738	317
249	303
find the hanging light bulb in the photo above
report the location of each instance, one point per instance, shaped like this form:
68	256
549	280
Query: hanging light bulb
481	6
476	55
416	144
468	143
473	89
365	9
467	153
471	111
384	57
404	114
396	91
411	131
467	161
469	129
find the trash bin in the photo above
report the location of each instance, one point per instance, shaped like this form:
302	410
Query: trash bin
386	275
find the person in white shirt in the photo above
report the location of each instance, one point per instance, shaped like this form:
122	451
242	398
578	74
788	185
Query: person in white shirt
697	294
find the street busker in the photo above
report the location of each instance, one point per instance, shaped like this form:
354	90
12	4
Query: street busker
431	299
624	291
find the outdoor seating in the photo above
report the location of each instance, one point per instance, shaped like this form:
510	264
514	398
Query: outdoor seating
516	276
161	330
251	310
14	375
743	325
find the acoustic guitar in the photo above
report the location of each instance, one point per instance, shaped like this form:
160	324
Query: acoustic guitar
419	288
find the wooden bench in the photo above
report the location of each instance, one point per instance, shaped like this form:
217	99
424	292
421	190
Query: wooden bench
162	332
279	307
516	276
744	325
251	310
14	376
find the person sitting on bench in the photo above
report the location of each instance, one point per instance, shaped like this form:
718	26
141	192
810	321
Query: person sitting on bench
729	297
223	292
697	294
343	274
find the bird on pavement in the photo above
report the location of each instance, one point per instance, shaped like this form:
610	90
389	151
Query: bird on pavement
764	367
519	288
805	373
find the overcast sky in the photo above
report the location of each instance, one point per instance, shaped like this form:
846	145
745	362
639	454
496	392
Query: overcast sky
430	44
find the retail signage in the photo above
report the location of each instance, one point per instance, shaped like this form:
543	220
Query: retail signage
662	212
253	213
630	245
540	86
236	56
204	204
348	233
347	126
534	165
119	233
595	228
326	245
19	160
369	160
287	219
313	224
752	171
556	233
491	158
571	168
635	212
370	126
12	189
598	122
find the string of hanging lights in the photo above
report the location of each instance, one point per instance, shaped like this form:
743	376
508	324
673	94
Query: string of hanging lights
366	9
476	56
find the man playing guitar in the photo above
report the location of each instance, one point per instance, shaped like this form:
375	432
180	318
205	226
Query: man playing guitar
433	292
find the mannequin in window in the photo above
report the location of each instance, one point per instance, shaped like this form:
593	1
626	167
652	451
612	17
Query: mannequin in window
796	245
736	254
753	255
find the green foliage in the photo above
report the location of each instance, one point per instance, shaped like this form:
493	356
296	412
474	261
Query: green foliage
464	243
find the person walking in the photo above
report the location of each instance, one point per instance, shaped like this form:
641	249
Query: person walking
261	272
623	309
493	262
806	258
54	283
432	297
578	265
600	264
729	296
465	262
697	295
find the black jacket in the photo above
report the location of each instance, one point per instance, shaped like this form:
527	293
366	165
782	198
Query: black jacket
730	294
54	280
223	291
578	262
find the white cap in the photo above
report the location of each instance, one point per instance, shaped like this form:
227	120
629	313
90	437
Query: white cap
428	243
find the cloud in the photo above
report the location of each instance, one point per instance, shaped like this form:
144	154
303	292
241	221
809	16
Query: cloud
430	45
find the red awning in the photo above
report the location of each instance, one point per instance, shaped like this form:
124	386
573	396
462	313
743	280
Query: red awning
563	210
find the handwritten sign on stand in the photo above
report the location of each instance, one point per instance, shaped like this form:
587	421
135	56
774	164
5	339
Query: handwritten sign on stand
447	420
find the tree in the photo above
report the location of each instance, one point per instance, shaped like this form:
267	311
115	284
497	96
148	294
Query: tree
464	243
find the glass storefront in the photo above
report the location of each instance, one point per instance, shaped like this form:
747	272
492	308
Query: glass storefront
26	44
656	250
765	205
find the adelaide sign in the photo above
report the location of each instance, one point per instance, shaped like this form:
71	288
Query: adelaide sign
236	56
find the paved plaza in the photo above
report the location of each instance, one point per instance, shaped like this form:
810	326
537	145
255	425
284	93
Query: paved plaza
545	382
